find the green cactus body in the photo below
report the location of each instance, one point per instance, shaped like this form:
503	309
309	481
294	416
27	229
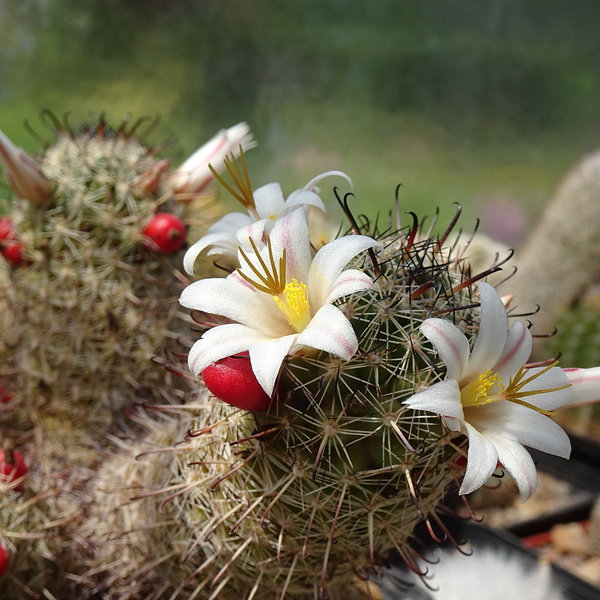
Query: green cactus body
306	499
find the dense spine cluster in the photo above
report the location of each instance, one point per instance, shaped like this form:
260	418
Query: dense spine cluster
87	306
307	499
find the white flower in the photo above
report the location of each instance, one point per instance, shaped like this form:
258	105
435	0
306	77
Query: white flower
491	397
265	206
194	174
24	175
280	301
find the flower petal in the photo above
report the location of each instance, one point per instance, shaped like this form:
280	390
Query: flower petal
266	357
269	201
302	198
349	282
230	298
493	329
223	230
482	459
254	231
585	386
517	461
529	427
218	343
442	398
291	233
312	184
194	175
329	330
204	242
231	223
331	260
24	175
516	351
450	343
553	379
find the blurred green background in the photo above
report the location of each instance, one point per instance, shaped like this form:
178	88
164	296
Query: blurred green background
486	103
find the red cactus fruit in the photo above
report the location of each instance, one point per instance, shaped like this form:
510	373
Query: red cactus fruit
165	233
5	395
4	560
233	381
12	252
12	467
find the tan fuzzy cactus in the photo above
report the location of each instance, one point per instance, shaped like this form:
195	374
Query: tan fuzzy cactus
92	303
89	300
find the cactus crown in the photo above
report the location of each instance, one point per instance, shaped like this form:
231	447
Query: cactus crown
297	501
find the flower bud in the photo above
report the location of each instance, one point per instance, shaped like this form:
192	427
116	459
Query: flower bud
23	174
194	175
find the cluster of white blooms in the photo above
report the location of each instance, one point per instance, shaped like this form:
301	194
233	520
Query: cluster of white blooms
280	302
280	299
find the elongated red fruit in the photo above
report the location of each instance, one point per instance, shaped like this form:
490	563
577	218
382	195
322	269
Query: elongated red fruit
233	381
4	560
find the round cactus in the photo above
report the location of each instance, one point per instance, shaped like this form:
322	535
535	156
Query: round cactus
91	304
85	310
310	495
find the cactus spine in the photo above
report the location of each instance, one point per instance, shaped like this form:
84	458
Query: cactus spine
88	306
301	501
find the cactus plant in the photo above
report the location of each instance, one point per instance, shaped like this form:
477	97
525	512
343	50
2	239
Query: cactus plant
306	498
89	297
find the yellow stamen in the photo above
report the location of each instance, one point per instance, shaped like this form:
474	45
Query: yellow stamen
293	303
477	391
272	279
514	394
240	178
488	387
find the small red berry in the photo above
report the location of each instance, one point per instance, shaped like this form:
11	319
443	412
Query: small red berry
165	232
5	395
4	560
233	381
13	252
6	228
12	470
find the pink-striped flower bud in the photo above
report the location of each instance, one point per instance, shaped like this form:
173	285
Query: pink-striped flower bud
194	175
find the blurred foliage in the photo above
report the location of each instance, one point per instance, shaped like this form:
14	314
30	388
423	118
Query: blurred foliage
401	90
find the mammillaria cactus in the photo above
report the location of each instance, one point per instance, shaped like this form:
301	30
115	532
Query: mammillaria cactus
89	298
393	376
381	373
95	298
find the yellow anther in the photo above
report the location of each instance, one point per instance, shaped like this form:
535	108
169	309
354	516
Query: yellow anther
489	387
293	303
482	389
